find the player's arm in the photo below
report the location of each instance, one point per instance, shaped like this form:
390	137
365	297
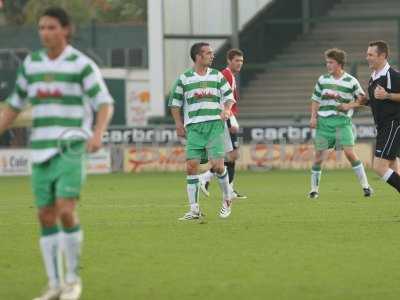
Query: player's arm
227	98
101	101
226	113
229	78
103	118
176	114
175	102
16	102
360	101
315	103
7	117
314	113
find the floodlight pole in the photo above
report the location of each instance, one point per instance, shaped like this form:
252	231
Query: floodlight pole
305	7
156	56
235	23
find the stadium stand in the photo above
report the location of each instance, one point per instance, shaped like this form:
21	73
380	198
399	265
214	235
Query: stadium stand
284	87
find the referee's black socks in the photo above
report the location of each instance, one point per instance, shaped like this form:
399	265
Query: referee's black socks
230	166
392	178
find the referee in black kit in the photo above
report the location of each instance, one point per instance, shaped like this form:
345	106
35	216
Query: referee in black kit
384	100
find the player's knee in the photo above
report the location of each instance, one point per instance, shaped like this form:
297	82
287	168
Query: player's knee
234	155
47	216
219	168
350	155
318	160
66	206
394	165
380	167
191	168
68	217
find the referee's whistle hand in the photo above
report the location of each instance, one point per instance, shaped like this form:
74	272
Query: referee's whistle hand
380	93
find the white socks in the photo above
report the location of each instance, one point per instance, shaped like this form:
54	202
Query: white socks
207	176
360	172
192	188
72	241
387	175
52	245
315	178
223	181
49	246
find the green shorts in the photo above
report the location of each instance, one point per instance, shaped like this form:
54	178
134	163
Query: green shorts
205	141
62	176
334	131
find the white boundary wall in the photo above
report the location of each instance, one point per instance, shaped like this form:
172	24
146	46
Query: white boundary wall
168	58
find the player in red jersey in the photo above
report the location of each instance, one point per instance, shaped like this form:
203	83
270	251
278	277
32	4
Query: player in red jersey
235	60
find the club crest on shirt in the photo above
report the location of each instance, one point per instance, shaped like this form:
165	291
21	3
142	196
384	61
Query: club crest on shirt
203	84
48	77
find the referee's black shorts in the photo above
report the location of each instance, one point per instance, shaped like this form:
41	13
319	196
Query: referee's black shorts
388	140
234	136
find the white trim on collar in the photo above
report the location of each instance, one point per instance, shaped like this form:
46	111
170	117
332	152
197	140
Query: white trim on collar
382	72
67	50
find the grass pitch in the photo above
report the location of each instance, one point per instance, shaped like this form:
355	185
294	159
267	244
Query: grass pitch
276	245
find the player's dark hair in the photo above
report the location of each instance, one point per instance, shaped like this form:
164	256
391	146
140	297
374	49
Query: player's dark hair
232	53
58	13
336	54
196	49
381	46
62	17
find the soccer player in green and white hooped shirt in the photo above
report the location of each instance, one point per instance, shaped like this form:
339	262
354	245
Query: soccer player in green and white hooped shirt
334	127
63	86
206	99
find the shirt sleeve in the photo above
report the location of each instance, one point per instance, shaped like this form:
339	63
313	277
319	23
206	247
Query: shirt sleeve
228	76
317	94
94	86
19	97
226	90
357	89
176	94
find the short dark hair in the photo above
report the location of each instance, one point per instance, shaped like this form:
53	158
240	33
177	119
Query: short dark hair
58	13
336	54
196	49
381	46
233	52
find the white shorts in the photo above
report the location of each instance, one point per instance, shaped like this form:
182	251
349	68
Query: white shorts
227	140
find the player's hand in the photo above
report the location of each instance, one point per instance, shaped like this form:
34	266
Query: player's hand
344	107
362	99
180	130
380	93
313	122
225	114
233	129
332	95
94	143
